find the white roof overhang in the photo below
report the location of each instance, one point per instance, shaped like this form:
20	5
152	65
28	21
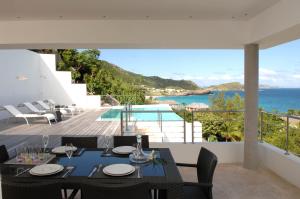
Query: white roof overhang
148	24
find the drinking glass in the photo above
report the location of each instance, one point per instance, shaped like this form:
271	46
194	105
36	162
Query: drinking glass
45	140
69	151
18	152
107	143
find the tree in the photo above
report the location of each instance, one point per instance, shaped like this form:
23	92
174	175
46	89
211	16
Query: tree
98	75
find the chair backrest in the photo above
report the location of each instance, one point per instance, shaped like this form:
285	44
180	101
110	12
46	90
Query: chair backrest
51	101
115	191
206	165
130	141
80	142
3	154
31	107
14	190
43	104
15	112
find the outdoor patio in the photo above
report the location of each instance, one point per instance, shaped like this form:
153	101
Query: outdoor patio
231	181
84	124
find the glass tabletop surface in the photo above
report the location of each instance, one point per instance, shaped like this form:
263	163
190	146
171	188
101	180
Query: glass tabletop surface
85	163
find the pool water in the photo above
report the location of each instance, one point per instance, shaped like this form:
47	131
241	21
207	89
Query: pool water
115	114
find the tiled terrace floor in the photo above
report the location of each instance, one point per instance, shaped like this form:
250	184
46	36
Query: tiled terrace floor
234	182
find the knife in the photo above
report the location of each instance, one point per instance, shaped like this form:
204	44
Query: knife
24	171
93	171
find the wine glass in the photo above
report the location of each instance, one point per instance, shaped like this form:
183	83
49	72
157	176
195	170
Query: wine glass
69	151
45	140
106	143
18	152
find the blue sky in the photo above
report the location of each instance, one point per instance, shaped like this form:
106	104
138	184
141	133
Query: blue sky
279	66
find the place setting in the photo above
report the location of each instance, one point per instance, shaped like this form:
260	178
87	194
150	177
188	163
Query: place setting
46	170
116	171
51	170
61	150
137	159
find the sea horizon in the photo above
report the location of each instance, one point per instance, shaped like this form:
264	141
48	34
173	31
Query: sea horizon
270	99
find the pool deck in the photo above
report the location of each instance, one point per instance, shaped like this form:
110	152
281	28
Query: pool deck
114	113
85	124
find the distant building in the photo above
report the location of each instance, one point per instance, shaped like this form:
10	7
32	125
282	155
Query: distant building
196	106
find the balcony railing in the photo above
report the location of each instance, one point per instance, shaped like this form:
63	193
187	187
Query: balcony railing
281	130
226	118
160	125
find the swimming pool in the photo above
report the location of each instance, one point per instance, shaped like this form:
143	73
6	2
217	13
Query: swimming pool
114	114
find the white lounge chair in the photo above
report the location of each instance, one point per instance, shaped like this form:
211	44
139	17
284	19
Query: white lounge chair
33	108
72	108
17	114
47	108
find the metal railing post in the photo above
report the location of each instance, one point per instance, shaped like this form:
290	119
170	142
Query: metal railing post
161	121
126	122
184	128
261	125
287	135
122	131
192	126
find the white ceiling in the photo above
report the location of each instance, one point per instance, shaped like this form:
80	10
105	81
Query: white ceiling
132	9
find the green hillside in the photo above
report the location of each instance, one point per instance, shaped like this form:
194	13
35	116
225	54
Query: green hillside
152	81
227	86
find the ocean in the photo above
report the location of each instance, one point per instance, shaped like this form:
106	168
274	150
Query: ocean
280	100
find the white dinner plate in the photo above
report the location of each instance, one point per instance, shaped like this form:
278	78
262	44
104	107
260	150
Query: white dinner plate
62	149
123	149
118	169
46	169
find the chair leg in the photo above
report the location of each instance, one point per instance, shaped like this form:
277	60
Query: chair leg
73	194
26	120
49	121
7	120
65	194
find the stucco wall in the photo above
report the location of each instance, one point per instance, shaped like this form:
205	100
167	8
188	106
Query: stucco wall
15	63
42	81
275	159
232	152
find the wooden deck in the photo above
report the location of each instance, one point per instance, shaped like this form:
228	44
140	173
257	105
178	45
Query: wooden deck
85	124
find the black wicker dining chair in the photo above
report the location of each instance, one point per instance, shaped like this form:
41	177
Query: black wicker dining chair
80	142
115	191
130	141
14	190
206	165
3	154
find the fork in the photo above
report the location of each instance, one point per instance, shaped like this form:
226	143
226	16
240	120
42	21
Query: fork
99	168
69	169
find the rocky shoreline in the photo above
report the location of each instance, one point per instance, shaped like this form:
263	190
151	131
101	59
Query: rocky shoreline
197	92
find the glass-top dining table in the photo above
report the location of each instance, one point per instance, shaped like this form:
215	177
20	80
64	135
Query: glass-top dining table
87	164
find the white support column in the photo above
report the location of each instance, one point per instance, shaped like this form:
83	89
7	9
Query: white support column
251	105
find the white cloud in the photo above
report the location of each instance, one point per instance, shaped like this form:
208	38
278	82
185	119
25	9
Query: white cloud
266	76
267	72
297	76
